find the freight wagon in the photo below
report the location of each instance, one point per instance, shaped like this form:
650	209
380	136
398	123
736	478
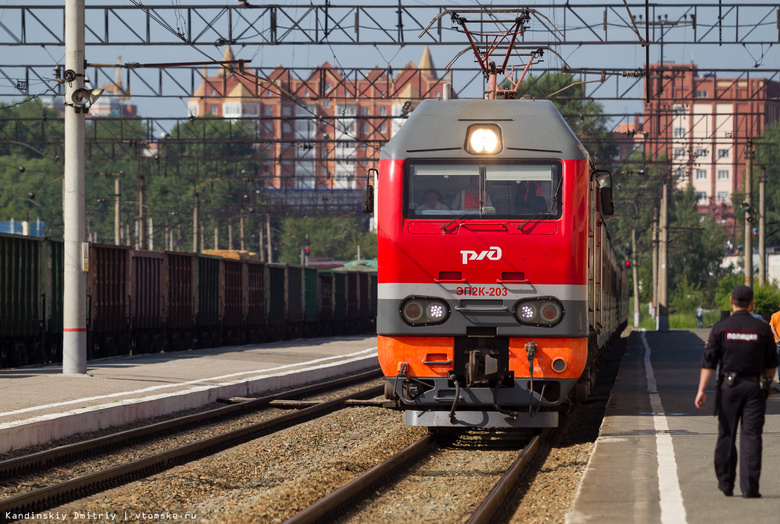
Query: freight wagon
154	301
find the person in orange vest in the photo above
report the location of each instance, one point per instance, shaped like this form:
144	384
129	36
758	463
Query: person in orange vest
529	198
774	325
469	198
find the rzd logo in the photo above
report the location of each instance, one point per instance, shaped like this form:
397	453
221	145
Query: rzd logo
494	253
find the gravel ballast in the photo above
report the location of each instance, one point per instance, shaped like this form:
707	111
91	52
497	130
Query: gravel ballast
272	478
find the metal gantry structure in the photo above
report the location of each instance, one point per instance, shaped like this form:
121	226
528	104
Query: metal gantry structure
561	29
391	24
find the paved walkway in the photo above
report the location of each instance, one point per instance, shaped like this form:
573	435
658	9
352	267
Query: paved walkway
653	460
39	404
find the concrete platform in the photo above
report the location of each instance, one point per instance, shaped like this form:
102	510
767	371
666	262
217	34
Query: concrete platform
653	460
39	404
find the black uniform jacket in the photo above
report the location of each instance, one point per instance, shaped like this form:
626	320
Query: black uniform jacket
741	344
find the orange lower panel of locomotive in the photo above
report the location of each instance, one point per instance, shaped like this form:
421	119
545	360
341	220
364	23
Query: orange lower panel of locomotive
561	358
468	382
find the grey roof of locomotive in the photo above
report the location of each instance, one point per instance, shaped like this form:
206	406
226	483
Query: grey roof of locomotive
530	129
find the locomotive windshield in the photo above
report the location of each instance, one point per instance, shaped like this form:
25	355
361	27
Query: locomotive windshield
496	190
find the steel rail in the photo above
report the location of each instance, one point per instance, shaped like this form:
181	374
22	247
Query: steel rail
328	506
85	485
492	503
43	459
342	496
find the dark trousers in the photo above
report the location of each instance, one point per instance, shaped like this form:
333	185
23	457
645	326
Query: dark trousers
746	402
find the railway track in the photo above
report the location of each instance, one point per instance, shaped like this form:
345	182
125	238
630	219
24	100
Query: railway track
384	475
84	485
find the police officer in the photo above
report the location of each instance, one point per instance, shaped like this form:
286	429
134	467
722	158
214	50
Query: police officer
744	349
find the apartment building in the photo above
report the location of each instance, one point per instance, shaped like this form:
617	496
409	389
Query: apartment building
701	127
323	130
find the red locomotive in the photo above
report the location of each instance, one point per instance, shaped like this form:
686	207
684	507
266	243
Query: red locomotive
498	288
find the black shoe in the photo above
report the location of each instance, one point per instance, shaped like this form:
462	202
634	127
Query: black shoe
751	495
727	492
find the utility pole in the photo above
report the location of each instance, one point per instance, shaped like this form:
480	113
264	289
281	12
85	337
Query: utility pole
268	236
141	221
150	232
634	270
195	223
241	226
655	261
662	320
241	222
260	249
748	214
216	234
117	205
76	249
762	227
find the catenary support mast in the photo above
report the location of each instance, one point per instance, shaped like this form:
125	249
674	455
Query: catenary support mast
74	337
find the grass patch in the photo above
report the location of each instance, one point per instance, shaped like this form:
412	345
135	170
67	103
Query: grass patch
677	320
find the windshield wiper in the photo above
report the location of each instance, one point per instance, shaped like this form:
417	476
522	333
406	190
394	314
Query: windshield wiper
462	214
546	210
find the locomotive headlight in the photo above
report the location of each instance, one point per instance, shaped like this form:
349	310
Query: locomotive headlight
424	311
436	311
527	312
545	311
483	139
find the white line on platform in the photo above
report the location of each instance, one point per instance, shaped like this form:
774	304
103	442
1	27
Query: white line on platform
672	508
258	372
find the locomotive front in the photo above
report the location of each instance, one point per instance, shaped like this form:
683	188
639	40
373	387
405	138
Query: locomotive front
483	213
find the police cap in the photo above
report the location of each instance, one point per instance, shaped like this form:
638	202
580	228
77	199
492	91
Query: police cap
742	293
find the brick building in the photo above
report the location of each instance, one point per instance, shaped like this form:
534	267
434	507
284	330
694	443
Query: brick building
701	125
324	130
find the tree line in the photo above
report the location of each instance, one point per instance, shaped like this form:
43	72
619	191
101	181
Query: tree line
215	159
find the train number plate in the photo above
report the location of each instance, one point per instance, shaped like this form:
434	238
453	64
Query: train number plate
481	291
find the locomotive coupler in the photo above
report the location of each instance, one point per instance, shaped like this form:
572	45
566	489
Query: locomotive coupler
482	369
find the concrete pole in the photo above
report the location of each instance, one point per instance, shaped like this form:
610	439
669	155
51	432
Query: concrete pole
268	237
635	271
749	215
241	228
150	232
142	223
74	332
260	250
117	205
662	320
762	227
654	314
195	223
